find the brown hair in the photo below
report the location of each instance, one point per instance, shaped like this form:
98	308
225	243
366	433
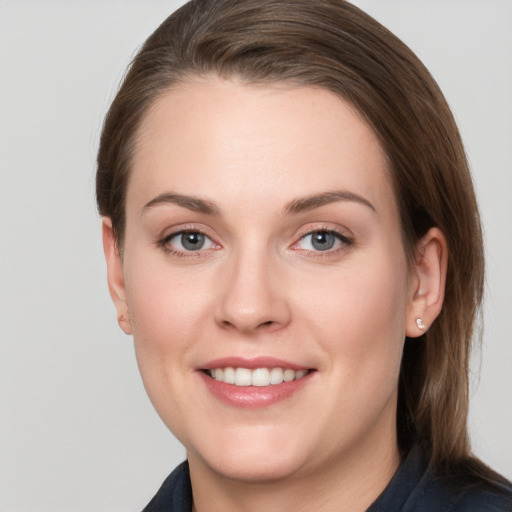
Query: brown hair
334	45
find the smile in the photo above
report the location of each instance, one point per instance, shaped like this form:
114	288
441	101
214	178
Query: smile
256	382
259	377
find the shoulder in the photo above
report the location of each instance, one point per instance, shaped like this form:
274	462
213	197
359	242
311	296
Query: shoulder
468	487
484	498
175	494
447	495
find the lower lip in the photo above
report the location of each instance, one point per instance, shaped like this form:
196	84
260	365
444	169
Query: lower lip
254	397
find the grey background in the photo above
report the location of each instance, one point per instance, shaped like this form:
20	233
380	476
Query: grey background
77	432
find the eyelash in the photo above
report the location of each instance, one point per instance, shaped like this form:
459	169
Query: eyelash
342	240
164	243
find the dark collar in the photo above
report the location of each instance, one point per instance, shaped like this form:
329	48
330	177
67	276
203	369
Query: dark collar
406	480
412	489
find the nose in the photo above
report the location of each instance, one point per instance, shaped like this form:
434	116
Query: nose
253	296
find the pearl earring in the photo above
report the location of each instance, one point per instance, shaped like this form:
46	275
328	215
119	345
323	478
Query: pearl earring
420	324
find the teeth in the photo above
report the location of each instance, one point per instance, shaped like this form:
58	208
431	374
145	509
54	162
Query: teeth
276	376
242	377
289	375
300	373
229	376
258	377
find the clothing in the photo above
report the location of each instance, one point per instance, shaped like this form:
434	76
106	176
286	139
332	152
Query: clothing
412	489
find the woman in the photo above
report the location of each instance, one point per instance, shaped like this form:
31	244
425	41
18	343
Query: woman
292	238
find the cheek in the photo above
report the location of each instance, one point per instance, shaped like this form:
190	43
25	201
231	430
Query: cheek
165	306
167	310
360	317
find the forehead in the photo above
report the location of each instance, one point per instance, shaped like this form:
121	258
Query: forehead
218	137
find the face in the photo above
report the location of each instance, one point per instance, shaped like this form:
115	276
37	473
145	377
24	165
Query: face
265	279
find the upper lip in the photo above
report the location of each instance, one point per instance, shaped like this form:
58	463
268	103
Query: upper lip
252	363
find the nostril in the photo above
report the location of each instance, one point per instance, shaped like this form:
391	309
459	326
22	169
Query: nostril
268	323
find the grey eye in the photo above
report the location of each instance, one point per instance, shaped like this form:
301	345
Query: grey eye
323	240
183	243
192	241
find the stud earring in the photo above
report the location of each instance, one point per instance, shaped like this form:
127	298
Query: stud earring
420	324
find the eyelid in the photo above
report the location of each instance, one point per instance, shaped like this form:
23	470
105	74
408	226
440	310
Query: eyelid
345	239
170	231
343	232
343	235
172	236
162	241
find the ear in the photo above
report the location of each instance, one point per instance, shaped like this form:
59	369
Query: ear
428	278
115	276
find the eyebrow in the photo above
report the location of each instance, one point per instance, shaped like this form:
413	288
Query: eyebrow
300	205
308	203
194	204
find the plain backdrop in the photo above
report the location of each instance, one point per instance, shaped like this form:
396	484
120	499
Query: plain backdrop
77	432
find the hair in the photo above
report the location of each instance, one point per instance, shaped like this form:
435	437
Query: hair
333	45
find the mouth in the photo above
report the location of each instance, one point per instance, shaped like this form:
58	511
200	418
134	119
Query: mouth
257	377
255	383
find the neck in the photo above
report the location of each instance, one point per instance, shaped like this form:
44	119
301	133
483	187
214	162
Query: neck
350	484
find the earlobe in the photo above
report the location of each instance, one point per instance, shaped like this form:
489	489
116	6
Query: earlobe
115	276
427	287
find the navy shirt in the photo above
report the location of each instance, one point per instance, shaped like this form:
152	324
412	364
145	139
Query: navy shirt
412	489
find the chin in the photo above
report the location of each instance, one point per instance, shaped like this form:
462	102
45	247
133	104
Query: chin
269	459
255	470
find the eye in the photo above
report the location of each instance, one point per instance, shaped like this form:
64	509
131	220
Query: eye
322	240
188	241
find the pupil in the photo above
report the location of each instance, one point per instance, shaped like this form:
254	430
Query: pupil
192	241
323	241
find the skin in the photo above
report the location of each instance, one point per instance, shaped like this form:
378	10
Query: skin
260	288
